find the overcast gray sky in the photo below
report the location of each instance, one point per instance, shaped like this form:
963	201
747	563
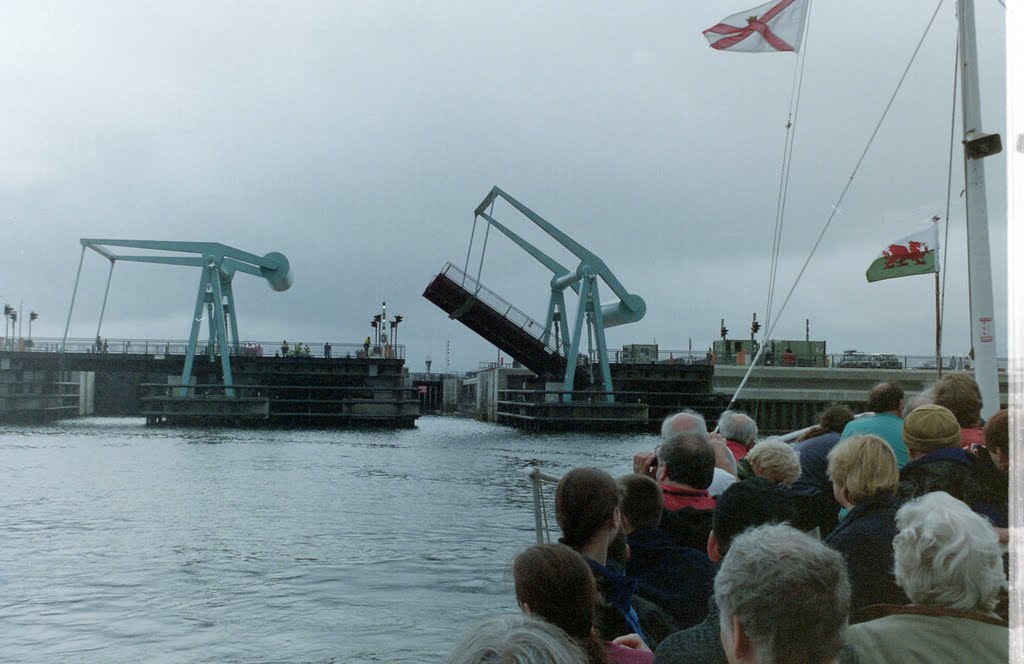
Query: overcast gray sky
357	138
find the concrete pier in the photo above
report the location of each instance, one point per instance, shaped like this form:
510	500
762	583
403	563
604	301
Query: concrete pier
30	393
289	391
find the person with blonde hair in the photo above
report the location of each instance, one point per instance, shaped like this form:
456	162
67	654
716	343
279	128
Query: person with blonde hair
949	563
864	480
774	460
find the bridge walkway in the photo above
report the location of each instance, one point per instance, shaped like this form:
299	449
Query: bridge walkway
501	324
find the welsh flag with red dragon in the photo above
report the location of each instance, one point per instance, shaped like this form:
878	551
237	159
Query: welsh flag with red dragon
917	253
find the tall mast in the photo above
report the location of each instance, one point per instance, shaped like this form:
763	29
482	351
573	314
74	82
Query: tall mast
978	145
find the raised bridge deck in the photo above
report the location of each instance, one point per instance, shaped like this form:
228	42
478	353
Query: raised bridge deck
520	337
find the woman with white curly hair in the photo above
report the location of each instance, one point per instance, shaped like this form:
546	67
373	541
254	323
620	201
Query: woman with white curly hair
773	459
516	639
949	563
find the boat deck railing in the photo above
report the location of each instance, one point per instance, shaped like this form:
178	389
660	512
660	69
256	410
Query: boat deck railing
539	480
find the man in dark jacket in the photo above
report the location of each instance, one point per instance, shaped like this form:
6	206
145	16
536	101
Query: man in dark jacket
938	463
744	505
677	578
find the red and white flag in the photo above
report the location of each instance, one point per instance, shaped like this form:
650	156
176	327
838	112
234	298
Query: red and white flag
772	27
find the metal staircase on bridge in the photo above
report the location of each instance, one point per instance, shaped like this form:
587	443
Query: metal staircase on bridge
498	322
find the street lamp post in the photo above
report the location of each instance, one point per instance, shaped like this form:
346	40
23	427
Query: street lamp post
7	315
394	330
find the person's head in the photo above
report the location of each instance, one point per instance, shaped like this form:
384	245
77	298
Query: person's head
553	582
642	502
686	420
929	428
997	438
835	418
831	420
724	458
775	460
946	555
861	467
687	458
586	506
961	395
783	598
516	639
918	400
885	398
746	504
738	427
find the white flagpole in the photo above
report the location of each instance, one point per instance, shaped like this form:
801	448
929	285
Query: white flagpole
979	261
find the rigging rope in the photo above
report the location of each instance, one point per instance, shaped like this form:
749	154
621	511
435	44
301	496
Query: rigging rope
949	193
487	234
787	156
842	195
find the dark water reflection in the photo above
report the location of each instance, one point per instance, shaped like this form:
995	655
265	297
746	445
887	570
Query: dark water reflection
122	543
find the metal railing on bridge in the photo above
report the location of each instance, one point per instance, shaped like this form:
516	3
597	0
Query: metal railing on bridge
510	312
164	347
832	360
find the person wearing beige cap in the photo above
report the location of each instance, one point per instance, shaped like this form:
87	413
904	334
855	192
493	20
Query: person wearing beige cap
938	463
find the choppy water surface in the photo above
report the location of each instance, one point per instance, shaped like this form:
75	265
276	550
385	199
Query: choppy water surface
123	543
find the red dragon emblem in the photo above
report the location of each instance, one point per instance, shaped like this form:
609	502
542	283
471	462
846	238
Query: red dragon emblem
900	255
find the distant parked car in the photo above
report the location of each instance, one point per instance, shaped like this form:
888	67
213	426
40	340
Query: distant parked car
886	361
852	359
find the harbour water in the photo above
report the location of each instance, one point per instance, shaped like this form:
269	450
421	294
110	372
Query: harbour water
122	543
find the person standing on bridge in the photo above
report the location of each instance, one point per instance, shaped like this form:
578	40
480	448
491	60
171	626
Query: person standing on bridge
327	350
284	348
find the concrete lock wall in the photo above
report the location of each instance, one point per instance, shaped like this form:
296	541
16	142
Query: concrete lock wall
86	393
450	394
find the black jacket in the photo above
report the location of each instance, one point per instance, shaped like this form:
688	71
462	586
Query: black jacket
679	579
960	475
864	538
688	527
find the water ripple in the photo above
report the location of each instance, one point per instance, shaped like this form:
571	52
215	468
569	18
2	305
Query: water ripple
124	543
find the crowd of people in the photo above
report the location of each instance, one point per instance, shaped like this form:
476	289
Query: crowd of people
879	538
